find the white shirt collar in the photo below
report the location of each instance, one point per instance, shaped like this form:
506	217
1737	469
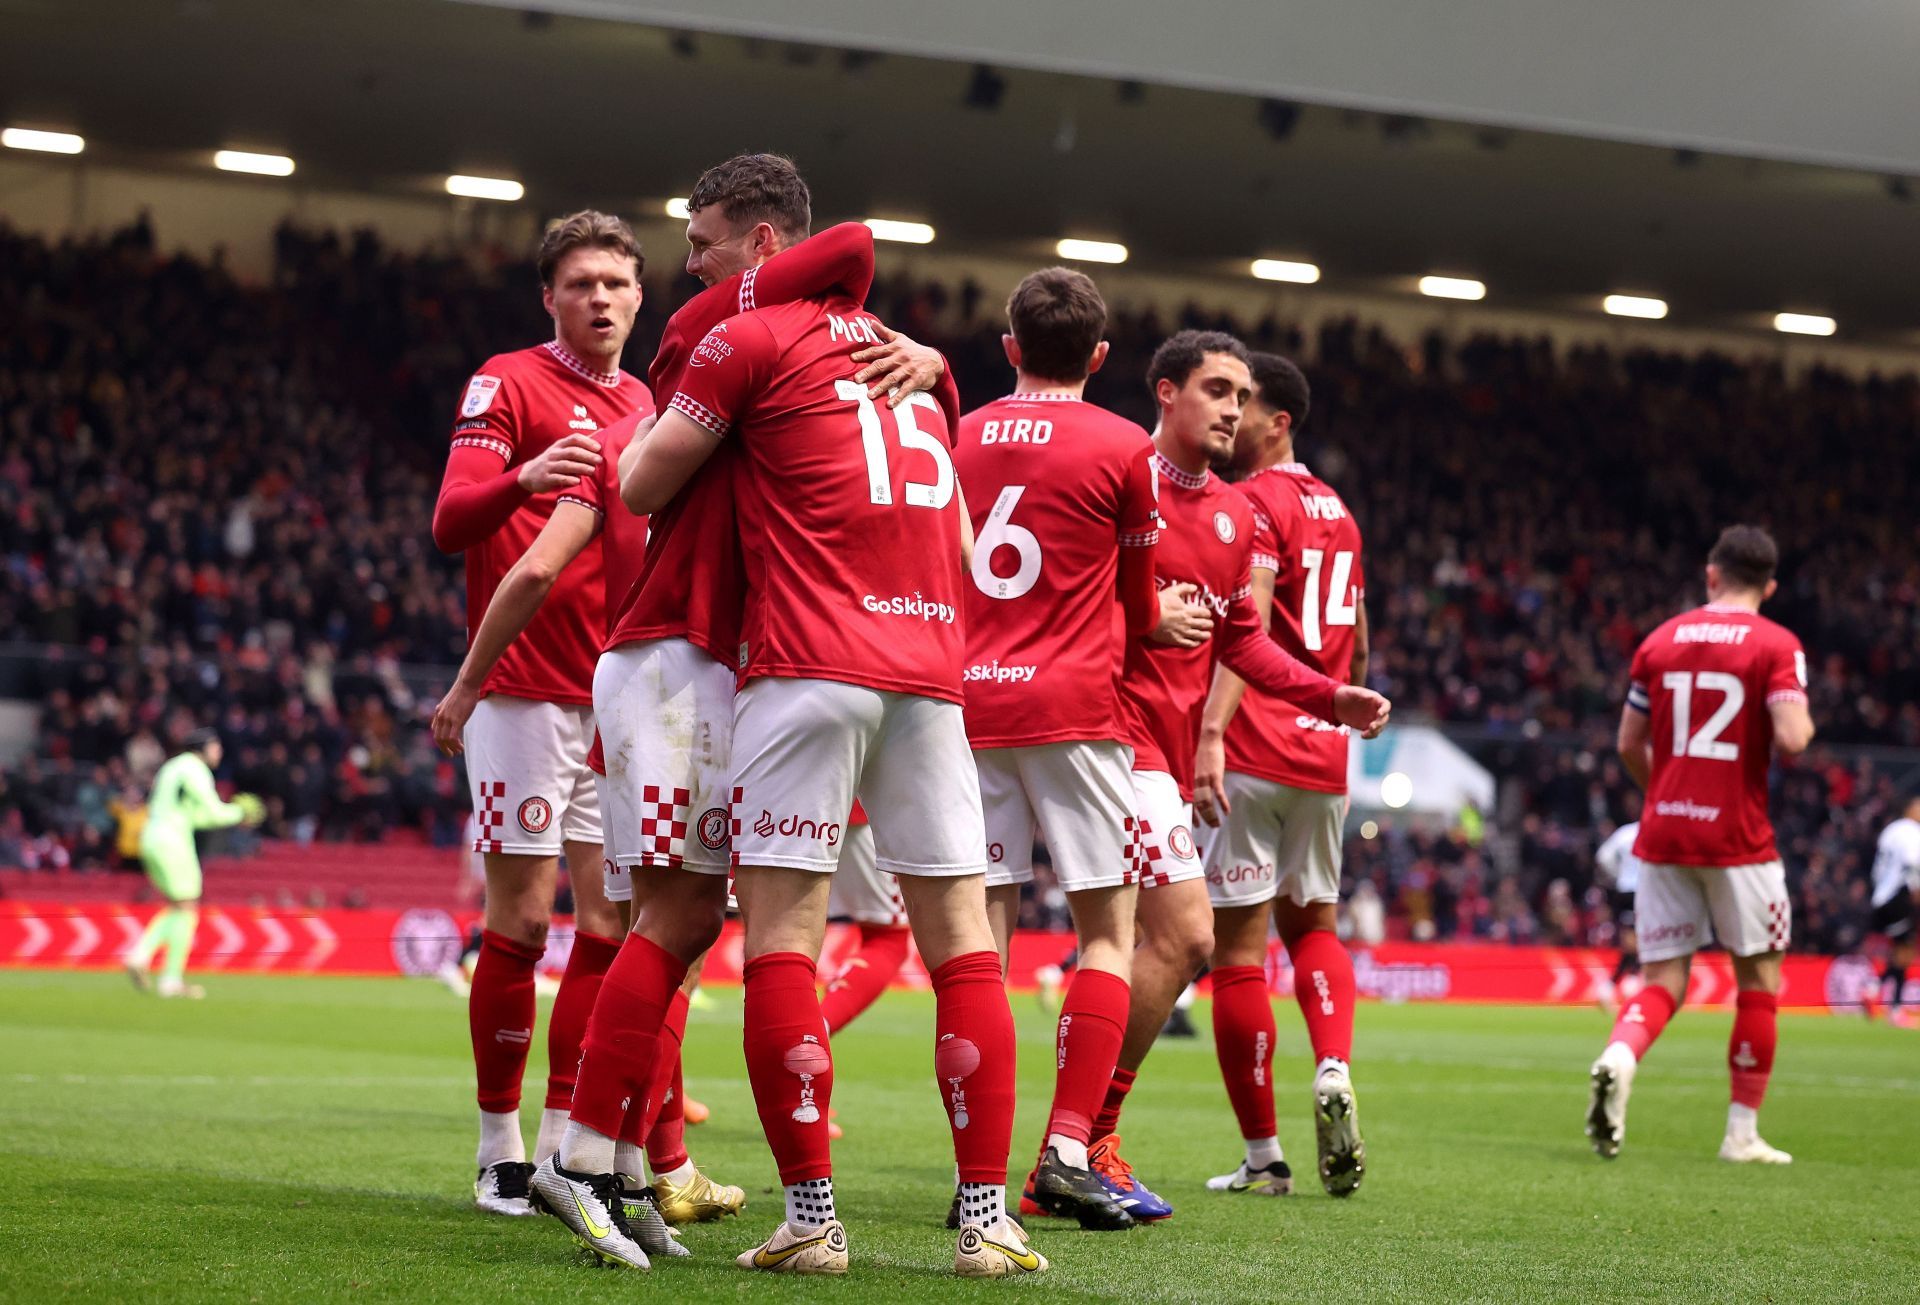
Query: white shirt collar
1184	479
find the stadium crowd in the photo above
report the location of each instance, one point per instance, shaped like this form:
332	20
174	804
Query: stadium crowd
214	501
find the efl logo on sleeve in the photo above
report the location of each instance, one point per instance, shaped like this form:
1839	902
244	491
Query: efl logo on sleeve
480	392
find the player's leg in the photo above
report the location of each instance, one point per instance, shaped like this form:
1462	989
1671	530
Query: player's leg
173	866
520	767
1753	918
1306	911
1174	938
799	748
1894	976
1081	795
1671	908
1240	857
921	789
500	1017
665	823
596	941
870	898
1009	822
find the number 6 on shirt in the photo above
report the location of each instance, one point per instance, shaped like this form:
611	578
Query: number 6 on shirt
879	478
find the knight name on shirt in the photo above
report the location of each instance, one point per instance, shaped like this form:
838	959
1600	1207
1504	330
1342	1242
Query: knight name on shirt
1711	632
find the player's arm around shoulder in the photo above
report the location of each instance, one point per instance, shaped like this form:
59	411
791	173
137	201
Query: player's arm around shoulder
573	525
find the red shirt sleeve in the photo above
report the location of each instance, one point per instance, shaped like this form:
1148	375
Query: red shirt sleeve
1139	532
1787	670
1252	654
839	258
476	494
735	358
1637	696
1266	541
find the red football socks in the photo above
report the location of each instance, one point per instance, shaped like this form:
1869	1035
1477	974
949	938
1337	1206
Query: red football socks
1108	1120
1243	1036
1092	1024
789	1063
1323	984
500	1018
622	1046
572	1005
883	950
973	1061
666	1134
1642	1019
1756	1031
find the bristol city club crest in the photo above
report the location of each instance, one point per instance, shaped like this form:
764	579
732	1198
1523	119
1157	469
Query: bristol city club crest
1180	840
714	828
1223	527
536	813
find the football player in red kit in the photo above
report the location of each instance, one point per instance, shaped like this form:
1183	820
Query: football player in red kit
1063	508
524	434
1270	788
1201	382
1715	693
852	528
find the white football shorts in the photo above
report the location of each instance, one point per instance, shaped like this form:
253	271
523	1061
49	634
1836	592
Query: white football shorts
527	769
666	726
1164	852
1681	908
1275	839
862	891
805	749
1080	798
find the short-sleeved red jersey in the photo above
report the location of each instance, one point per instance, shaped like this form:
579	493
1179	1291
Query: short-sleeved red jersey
517	405
1056	488
1206	539
1304	534
848	523
691	583
1706	678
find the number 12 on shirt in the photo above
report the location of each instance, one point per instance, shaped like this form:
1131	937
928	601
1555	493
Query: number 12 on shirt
908	435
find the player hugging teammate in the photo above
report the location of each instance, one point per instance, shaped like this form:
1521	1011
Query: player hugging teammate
769	600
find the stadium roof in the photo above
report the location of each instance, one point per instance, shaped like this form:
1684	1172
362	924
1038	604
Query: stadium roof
395	94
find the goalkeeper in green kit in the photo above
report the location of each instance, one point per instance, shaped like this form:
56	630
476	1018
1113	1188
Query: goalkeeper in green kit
184	800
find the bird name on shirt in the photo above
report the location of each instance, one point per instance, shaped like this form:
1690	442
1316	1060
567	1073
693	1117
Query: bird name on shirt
1322	507
1020	430
1711	632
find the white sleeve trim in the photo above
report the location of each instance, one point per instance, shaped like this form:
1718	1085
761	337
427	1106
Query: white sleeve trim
699	413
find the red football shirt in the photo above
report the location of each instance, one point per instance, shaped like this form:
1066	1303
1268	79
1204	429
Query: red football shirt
1056	488
1302	533
691	582
1206	539
1706	678
517	405
847	517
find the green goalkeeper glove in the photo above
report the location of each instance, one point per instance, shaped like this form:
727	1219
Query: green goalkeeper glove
252	809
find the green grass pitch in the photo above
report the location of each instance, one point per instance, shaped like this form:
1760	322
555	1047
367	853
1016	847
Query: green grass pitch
293	1139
